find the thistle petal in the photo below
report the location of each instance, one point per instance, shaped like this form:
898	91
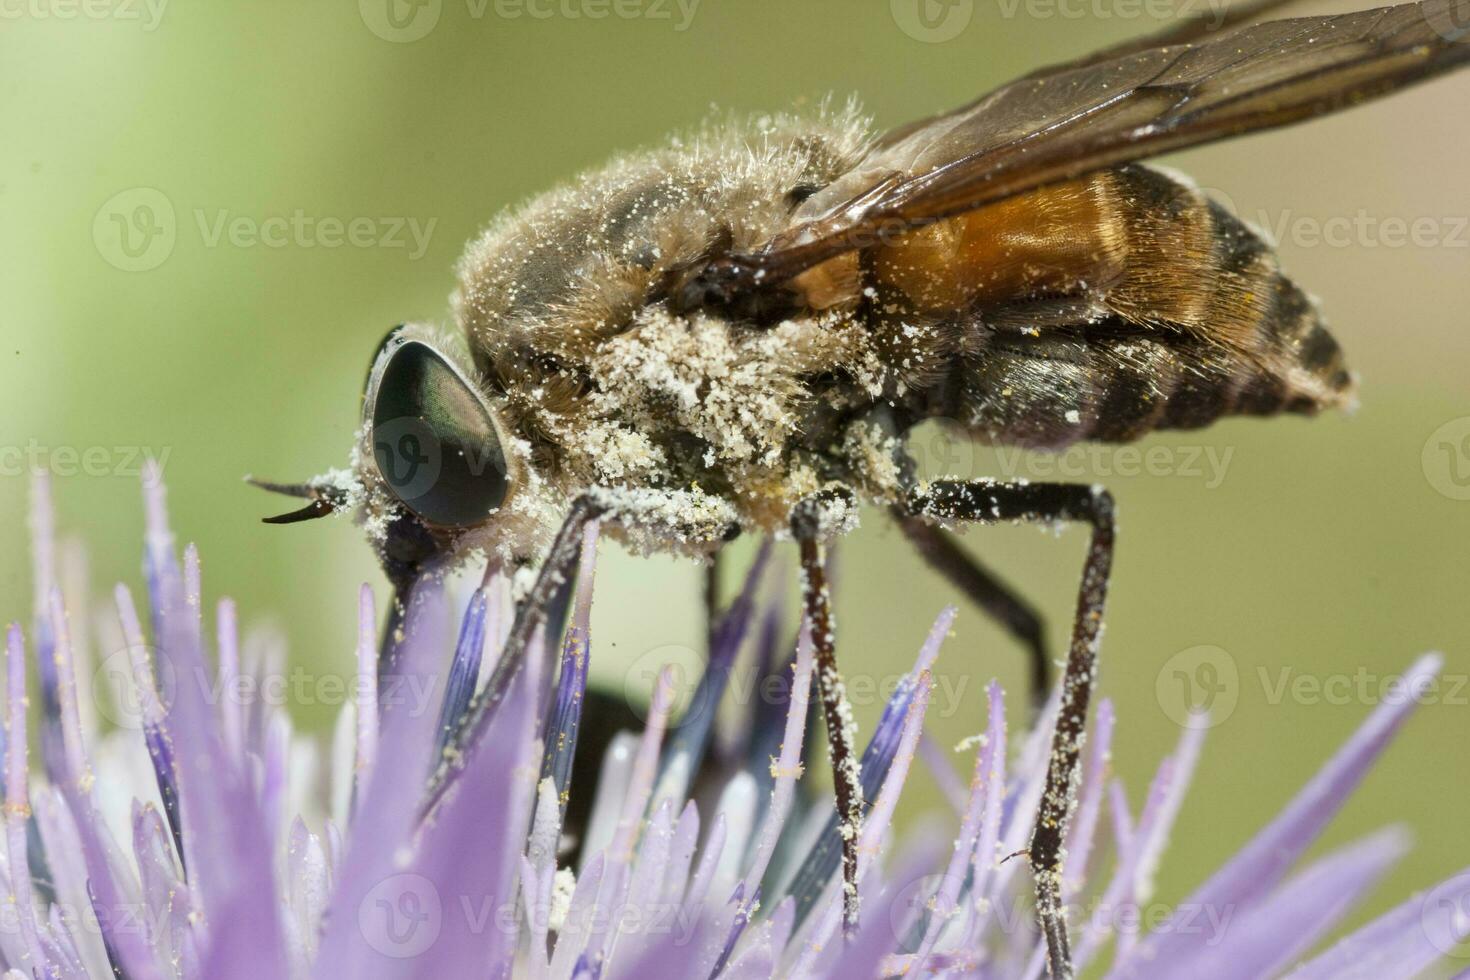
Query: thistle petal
1263	862
237	875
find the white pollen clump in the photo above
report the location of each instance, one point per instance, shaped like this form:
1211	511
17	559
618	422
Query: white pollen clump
875	454
563	884
969	742
835	517
698	375
619	452
521	582
648	520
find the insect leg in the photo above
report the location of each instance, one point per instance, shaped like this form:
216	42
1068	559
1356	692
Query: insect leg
841	732
711	601
995	597
989	502
393	626
549	593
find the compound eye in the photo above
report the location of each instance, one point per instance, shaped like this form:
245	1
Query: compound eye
392	338
434	437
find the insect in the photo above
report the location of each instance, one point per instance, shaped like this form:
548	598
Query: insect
735	332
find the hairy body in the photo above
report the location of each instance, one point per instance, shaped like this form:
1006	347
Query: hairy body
1101	308
738	330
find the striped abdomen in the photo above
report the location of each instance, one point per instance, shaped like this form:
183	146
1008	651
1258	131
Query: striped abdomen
1099	309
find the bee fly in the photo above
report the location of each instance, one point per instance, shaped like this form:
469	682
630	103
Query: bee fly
734	333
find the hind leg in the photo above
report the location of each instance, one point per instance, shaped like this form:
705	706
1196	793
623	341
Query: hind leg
1017	616
990	502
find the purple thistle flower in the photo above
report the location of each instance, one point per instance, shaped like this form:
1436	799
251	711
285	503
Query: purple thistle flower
201	837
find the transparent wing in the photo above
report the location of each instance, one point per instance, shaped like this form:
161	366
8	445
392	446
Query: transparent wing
1122	105
1186	31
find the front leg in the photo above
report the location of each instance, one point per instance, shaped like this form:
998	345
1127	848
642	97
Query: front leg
552	585
808	526
990	502
677	517
712	582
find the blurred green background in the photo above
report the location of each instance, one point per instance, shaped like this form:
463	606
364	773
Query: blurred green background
1333	550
